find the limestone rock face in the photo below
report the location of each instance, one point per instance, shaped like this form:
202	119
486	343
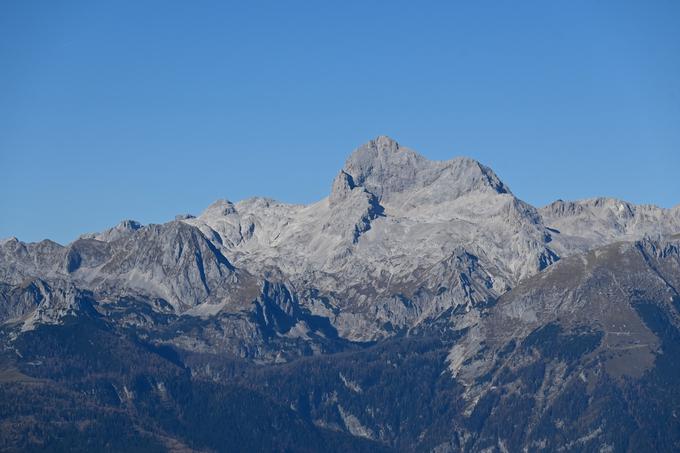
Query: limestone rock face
390	215
421	306
400	241
584	224
387	170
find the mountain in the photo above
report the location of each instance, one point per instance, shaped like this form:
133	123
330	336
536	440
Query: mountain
589	223
394	228
421	306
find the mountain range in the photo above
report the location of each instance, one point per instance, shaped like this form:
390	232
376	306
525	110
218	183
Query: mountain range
421	306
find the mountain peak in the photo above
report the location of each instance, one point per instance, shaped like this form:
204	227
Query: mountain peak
129	224
342	186
220	208
384	141
385	168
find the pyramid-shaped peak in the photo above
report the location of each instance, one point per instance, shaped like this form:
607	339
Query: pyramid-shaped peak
382	150
383	141
129	224
219	208
384	168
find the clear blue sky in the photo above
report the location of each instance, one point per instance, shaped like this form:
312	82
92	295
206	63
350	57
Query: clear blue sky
141	109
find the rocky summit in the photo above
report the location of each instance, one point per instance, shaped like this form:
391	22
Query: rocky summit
421	306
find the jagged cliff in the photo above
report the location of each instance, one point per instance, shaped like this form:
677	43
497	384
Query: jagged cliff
420	280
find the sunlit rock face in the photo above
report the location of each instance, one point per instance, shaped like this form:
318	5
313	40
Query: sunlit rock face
419	288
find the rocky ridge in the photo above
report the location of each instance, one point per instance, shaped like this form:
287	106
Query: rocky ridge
420	306
399	241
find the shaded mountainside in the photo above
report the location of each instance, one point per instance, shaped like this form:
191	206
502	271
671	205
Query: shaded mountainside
420	307
82	386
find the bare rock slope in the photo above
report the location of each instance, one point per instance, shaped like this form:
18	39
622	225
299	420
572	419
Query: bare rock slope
420	306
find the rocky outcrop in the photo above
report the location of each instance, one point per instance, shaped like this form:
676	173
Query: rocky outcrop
400	241
420	307
581	225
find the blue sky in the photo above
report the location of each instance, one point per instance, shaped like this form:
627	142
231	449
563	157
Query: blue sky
112	110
